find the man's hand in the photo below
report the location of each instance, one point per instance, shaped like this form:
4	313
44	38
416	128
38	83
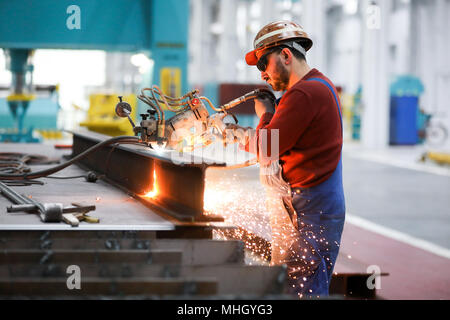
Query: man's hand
236	133
232	126
263	105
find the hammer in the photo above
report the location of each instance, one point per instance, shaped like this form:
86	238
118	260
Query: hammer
55	212
48	212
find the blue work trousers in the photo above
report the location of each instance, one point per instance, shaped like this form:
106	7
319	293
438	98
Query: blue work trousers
313	245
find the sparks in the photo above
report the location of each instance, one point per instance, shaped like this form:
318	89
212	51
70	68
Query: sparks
242	205
152	194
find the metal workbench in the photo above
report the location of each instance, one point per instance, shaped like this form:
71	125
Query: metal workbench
116	209
135	251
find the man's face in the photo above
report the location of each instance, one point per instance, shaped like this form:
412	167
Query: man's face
276	74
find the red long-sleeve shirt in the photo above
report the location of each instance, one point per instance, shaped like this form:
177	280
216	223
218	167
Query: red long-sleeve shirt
310	134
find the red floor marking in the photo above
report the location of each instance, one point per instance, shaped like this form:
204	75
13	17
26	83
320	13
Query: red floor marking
413	273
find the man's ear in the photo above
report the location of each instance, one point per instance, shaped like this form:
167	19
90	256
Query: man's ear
287	55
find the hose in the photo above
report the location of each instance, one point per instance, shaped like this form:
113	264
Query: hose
157	108
162	119
249	96
211	105
176	105
178	102
165	98
170	102
47	172
14	162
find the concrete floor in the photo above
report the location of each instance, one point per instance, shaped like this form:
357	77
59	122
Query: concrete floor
413	202
398	218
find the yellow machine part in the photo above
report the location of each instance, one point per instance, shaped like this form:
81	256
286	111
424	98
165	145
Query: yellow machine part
102	118
170	79
347	101
50	134
20	97
439	157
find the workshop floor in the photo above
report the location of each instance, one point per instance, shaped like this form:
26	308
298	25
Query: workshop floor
398	217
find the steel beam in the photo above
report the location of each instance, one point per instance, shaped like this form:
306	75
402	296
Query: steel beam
180	186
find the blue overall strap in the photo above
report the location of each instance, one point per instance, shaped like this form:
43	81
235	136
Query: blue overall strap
332	91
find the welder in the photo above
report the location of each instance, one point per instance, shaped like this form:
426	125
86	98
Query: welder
305	175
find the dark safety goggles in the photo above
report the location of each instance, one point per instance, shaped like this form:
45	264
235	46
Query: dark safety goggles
262	62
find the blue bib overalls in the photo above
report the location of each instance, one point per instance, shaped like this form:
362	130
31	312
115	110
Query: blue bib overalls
310	246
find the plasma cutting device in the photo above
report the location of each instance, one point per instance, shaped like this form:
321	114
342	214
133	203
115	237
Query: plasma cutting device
192	126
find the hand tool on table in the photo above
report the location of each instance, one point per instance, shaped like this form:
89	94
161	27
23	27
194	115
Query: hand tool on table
81	216
48	212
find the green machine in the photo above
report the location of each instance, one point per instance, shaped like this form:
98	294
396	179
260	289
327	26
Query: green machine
157	28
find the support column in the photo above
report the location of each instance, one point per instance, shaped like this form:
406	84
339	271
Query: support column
267	12
414	37
228	49
442	66
375	80
169	27
314	22
195	42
